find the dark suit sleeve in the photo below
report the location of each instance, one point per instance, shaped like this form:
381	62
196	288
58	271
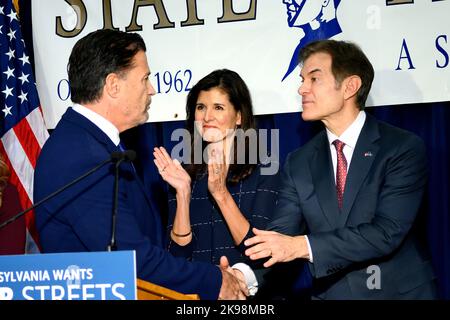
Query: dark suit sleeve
400	194
181	251
287	218
79	219
153	262
278	281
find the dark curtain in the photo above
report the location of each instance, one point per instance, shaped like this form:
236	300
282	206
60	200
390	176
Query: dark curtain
429	121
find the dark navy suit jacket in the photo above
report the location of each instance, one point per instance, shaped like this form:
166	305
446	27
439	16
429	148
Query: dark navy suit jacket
79	219
371	248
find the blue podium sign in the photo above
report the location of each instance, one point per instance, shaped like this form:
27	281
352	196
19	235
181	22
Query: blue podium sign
69	276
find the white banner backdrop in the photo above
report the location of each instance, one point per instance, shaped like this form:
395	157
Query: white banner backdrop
406	41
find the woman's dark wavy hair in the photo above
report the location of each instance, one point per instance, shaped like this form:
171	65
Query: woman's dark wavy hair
238	94
95	56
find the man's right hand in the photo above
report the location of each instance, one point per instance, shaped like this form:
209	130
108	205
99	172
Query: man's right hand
232	287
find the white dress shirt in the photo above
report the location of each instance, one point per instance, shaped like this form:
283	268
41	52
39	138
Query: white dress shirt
105	125
249	275
349	137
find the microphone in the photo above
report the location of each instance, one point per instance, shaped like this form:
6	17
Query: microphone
118	158
127	155
115	157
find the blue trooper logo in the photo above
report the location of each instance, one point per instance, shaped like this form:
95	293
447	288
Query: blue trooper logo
316	19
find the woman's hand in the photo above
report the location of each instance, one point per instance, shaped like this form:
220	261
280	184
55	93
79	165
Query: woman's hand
171	171
217	174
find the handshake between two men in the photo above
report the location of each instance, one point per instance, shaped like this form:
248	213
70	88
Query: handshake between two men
234	285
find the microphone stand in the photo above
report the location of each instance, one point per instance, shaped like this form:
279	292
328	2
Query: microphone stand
17	216
112	245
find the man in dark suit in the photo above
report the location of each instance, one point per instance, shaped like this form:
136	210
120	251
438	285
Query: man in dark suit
109	82
350	196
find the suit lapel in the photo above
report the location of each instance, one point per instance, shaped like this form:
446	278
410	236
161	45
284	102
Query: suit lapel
323	179
365	152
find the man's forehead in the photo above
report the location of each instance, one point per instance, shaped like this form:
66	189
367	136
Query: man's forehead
310	71
320	61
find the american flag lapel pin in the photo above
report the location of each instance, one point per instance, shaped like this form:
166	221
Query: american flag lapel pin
368	154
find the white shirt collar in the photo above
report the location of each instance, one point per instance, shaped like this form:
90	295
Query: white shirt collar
351	134
106	126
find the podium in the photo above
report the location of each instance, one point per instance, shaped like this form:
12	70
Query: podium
150	291
78	276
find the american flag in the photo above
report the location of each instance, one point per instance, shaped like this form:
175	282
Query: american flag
22	127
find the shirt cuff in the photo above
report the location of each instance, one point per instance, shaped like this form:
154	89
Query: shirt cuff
249	275
309	250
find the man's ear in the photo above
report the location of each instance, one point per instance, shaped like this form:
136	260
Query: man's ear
351	86
239	118
112	85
